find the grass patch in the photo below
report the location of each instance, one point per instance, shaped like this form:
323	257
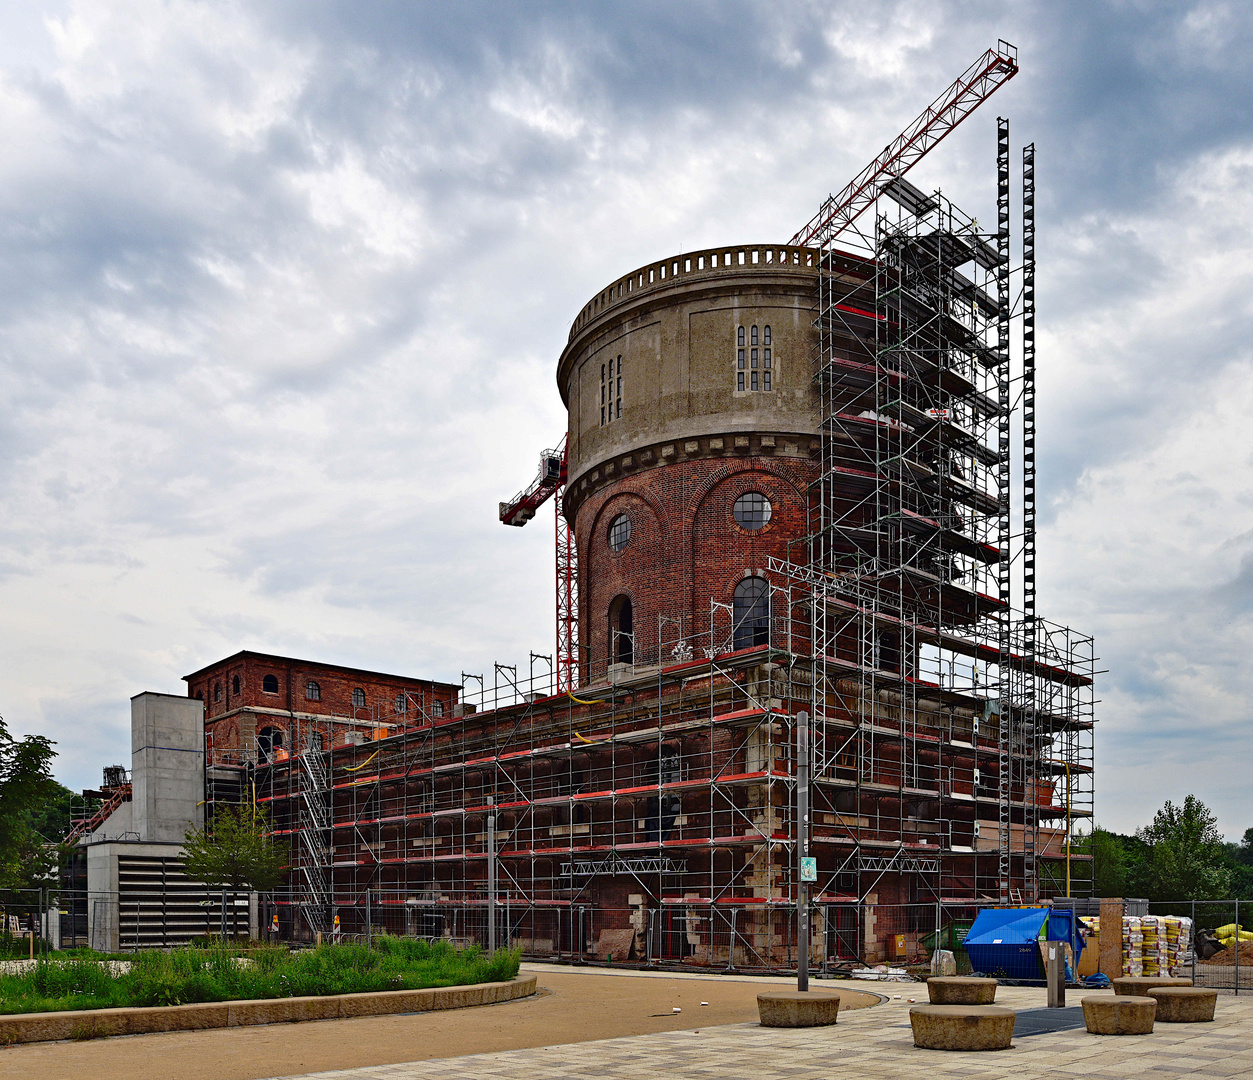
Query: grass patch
192	975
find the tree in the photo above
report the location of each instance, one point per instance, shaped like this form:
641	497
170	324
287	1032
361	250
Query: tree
25	785
234	850
1185	857
1109	863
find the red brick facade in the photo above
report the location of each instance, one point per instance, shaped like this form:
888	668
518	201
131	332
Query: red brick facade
249	692
685	550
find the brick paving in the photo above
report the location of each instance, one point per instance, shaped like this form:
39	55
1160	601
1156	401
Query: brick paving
869	1042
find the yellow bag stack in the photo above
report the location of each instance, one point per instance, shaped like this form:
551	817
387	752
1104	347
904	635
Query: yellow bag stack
1153	950
1178	942
1132	946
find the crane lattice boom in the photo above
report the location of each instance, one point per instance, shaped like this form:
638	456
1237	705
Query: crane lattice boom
972	88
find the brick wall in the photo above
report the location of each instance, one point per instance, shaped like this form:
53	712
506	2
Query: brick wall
685	546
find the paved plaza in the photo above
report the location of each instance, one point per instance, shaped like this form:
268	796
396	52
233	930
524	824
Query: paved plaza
874	1042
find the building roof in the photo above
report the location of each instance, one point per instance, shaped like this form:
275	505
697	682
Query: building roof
249	654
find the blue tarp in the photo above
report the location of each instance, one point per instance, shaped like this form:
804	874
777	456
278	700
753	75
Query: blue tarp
1003	942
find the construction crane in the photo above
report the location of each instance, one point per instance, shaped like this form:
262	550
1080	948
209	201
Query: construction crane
550	483
972	88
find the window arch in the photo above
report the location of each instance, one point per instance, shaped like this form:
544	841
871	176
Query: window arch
217	691
269	741
358	698
402	702
751	613
437	707
269	685
611	390
235	686
621	631
313	692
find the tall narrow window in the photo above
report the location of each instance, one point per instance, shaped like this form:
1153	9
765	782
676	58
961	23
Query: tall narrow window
611	390
358	698
754	362
621	631
751	613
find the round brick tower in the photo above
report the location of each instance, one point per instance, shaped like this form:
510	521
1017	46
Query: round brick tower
693	441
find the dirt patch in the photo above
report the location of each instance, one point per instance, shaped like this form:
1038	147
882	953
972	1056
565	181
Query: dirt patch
1227	958
573	1006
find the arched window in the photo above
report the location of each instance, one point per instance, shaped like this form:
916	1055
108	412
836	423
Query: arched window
437	707
235	686
611	390
358	698
269	684
269	739
200	695
621	631
217	691
402	702
313	692
751	613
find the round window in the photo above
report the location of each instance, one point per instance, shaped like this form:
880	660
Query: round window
619	532
752	511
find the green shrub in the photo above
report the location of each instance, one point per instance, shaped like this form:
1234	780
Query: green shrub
216	973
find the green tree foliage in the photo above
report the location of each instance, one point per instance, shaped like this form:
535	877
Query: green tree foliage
26	784
1185	857
41	830
235	849
1109	863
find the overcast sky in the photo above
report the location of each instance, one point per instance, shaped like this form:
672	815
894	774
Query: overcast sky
283	287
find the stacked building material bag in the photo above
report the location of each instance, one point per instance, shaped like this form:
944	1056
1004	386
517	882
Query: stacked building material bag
1178	935
1132	946
1153	956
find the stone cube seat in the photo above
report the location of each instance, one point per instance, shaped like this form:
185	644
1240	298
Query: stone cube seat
962	1027
1140	985
1119	1015
1184	1004
961	990
795	1008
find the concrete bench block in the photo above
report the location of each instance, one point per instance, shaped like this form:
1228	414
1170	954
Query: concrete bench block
1119	1015
1184	1004
1140	985
961	990
794	1008
962	1027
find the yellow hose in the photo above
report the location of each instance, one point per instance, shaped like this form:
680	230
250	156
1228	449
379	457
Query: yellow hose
354	768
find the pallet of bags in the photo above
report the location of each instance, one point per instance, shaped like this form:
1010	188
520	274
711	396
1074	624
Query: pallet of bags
1154	959
1132	946
1178	930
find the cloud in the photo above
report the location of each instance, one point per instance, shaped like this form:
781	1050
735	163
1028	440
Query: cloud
282	290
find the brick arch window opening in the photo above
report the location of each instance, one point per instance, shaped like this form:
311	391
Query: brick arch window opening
269	741
750	617
621	631
888	647
217	691
402	702
437	707
752	511
754	360
269	684
358	698
235	686
313	692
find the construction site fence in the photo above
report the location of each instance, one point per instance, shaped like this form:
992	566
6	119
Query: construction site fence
1232	968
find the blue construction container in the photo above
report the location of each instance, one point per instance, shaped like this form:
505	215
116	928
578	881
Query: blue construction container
1004	942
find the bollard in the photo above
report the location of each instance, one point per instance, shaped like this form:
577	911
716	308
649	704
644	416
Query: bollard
1055	975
